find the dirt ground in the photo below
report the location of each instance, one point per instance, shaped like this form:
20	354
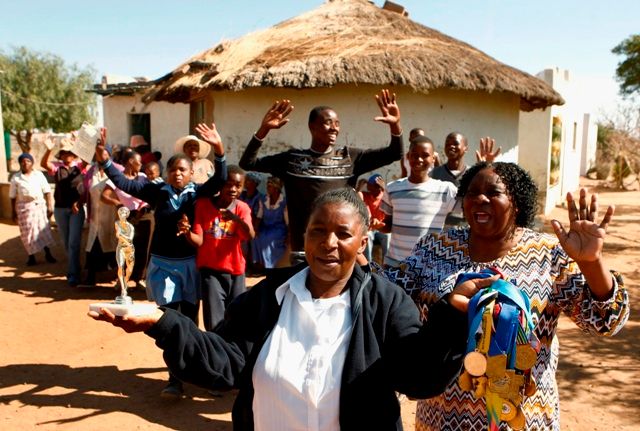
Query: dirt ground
60	370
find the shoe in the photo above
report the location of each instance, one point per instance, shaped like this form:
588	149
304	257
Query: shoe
172	391
49	258
31	261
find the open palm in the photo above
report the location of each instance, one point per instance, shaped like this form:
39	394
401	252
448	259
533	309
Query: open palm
585	239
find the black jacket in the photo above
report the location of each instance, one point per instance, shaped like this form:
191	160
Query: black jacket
389	350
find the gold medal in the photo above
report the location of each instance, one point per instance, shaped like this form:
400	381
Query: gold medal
530	387
480	386
508	412
518	422
496	366
465	381
500	386
526	356
475	363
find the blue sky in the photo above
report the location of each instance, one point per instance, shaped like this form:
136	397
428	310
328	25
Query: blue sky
150	38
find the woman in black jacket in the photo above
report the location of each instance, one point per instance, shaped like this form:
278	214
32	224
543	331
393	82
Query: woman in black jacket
324	346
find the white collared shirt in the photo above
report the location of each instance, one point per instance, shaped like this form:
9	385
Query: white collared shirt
298	372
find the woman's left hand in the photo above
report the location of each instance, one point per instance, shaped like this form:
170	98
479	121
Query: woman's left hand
585	239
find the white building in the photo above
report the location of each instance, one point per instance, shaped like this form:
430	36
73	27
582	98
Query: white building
557	144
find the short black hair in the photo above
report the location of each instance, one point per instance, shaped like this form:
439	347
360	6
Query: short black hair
520	187
127	155
235	169
454	134
345	195
177	157
421	139
315	112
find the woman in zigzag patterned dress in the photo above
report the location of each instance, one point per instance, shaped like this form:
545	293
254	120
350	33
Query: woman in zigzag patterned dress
562	273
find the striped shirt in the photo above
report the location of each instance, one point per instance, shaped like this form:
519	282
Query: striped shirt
416	209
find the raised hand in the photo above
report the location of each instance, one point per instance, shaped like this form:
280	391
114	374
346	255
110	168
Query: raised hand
102	155
211	136
128	323
275	118
389	110
486	152
585	239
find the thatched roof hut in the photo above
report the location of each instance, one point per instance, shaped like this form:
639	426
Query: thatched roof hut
349	42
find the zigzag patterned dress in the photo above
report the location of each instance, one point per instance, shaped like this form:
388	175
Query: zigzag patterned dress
553	283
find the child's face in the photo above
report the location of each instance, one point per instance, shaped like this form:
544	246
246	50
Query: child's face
250	185
179	174
67	157
152	172
420	157
232	188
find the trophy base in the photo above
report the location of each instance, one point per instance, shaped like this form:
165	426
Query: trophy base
121	310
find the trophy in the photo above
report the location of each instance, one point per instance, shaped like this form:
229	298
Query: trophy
125	257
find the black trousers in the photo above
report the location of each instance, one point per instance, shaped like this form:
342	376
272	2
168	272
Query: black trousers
218	290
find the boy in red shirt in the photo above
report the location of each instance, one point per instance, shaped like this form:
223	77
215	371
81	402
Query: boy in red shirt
220	225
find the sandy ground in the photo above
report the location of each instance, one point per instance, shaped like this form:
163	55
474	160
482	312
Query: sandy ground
60	370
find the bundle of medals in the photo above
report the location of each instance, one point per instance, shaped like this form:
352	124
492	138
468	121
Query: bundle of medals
501	350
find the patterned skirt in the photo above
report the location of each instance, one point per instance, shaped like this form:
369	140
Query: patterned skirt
35	229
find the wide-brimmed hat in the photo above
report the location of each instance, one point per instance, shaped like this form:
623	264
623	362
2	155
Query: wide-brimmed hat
66	144
205	148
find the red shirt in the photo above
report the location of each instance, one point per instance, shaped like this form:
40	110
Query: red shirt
221	246
373	203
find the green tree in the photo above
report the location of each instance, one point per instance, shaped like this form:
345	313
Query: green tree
40	91
628	70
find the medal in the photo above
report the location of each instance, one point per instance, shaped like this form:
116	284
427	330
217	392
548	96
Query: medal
508	412
530	387
480	386
475	363
496	366
465	381
518	422
526	356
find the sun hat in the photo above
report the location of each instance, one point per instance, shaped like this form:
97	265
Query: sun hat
205	148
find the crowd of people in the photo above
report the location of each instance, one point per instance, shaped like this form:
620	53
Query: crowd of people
331	334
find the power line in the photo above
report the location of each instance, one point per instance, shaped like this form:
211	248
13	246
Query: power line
41	102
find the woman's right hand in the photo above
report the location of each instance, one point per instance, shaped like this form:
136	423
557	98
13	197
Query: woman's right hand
128	323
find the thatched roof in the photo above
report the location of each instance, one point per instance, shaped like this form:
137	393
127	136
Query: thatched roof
349	42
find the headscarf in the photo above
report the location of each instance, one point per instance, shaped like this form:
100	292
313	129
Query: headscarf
23	156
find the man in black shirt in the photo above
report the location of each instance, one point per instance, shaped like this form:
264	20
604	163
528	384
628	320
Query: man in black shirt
307	173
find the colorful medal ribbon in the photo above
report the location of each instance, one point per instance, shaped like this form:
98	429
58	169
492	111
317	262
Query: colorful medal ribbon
501	350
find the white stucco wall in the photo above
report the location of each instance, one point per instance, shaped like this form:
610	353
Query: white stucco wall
589	143
535	140
238	115
169	121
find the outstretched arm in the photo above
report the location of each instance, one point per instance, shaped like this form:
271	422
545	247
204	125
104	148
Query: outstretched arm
585	240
